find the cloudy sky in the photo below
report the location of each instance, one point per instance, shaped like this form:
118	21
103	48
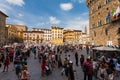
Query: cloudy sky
68	14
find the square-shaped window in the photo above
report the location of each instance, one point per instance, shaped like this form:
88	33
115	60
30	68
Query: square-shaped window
107	1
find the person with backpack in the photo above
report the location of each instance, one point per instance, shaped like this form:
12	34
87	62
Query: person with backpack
88	69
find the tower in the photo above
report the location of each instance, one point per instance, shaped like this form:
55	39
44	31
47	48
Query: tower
85	29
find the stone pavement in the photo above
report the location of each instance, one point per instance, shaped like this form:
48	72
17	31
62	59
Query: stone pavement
35	71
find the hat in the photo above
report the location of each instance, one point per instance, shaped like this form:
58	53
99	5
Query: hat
70	62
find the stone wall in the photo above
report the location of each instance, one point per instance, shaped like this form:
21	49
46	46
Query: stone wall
100	35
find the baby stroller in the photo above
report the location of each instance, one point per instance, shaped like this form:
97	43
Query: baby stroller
48	71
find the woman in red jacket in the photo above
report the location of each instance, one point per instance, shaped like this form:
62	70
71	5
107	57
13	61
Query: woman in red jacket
6	63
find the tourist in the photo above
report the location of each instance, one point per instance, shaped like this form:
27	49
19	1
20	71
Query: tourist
102	73
6	63
43	64
81	59
59	61
76	58
70	71
88	69
24	74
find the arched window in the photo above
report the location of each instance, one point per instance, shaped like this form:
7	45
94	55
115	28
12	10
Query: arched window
99	23
94	34
99	6
106	31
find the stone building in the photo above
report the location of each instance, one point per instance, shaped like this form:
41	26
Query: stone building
84	39
12	33
104	24
68	36
33	37
57	35
15	32
47	35
3	33
71	36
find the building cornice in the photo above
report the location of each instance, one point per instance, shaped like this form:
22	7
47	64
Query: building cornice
3	13
33	31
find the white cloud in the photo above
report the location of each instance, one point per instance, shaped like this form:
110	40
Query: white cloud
66	6
16	2
54	20
5	8
20	15
40	24
79	1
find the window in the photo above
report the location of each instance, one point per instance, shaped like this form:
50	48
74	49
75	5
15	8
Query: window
99	23
92	10
107	8
118	30
94	34
106	31
99	6
107	1
93	25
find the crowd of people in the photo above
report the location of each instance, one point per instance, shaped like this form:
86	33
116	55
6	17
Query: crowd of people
18	58
50	58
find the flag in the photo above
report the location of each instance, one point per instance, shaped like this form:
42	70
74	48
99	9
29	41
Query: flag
113	12
117	12
108	15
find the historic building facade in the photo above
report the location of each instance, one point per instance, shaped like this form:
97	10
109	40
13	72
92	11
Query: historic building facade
103	22
47	34
33	37
84	39
57	35
15	32
71	36
3	36
68	36
12	33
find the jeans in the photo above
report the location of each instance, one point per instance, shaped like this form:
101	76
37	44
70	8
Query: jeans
89	76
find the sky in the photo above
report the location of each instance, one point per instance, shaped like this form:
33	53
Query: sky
68	14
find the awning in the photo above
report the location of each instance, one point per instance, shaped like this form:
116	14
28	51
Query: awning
103	48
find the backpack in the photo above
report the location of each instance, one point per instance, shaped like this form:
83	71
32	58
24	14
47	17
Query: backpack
85	68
